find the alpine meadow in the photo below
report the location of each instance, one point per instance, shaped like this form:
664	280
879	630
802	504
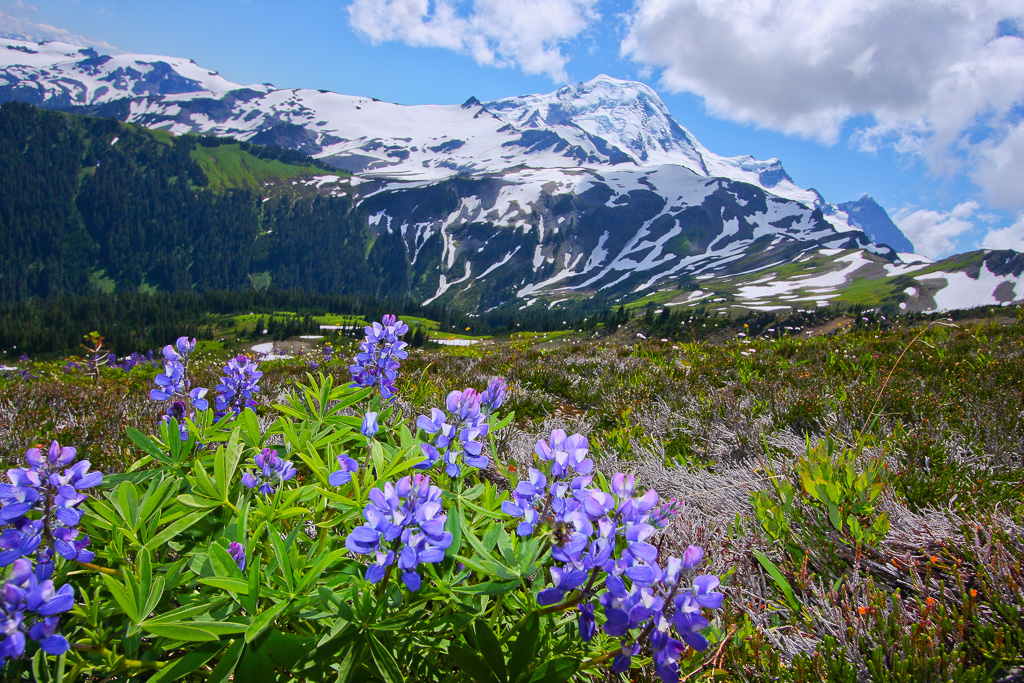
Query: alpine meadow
304	386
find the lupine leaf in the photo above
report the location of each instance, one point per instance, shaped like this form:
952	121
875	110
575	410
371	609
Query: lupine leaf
175	528
491	649
555	671
263	620
454	527
184	631
505	548
124	597
189	663
489	587
385	662
471	663
226	666
525	649
236	586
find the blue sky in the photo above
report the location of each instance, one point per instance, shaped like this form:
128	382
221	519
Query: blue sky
920	105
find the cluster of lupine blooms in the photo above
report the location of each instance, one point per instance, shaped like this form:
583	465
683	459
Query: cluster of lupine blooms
126	364
234	392
132	360
270	471
237	552
380	355
600	541
238	385
40	508
31	607
173	384
458	432
404	521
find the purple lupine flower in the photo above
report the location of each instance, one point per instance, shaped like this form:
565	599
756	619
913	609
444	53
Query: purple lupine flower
41	507
237	552
458	433
173	384
494	395
566	453
237	386
270	470
369	427
380	356
404	521
343	476
328	353
23	597
597	532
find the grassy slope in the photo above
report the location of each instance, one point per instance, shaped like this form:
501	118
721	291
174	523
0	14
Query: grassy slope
703	422
229	167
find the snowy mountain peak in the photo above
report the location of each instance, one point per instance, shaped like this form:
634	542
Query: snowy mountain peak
628	117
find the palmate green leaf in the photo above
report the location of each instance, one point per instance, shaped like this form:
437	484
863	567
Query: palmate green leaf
489	587
472	664
187	664
487	567
491	650
453	525
225	463
124	597
385	661
234	586
224	671
197	502
508	553
481	547
125	500
263	620
555	671
525	649
183	631
151	447
223	564
175	528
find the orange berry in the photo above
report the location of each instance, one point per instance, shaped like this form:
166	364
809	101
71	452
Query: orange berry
935	558
930	601
862	610
974	593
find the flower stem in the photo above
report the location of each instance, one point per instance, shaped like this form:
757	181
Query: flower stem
96	568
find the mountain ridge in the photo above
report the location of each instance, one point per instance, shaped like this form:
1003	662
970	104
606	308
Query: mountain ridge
592	190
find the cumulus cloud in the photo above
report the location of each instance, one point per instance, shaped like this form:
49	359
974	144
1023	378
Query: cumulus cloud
1011	237
943	79
19	28
935	233
528	34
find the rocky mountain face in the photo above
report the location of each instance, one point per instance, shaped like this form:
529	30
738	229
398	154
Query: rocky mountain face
591	192
866	214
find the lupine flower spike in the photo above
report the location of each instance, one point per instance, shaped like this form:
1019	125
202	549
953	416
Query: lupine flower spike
597	533
270	471
379	356
404	521
41	507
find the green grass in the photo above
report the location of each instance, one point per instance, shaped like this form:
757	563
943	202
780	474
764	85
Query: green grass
228	167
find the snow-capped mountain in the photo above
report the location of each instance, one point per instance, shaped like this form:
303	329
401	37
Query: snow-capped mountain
593	189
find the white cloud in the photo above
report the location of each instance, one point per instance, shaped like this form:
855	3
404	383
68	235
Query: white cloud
1011	237
19	28
940	78
934	233
528	34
